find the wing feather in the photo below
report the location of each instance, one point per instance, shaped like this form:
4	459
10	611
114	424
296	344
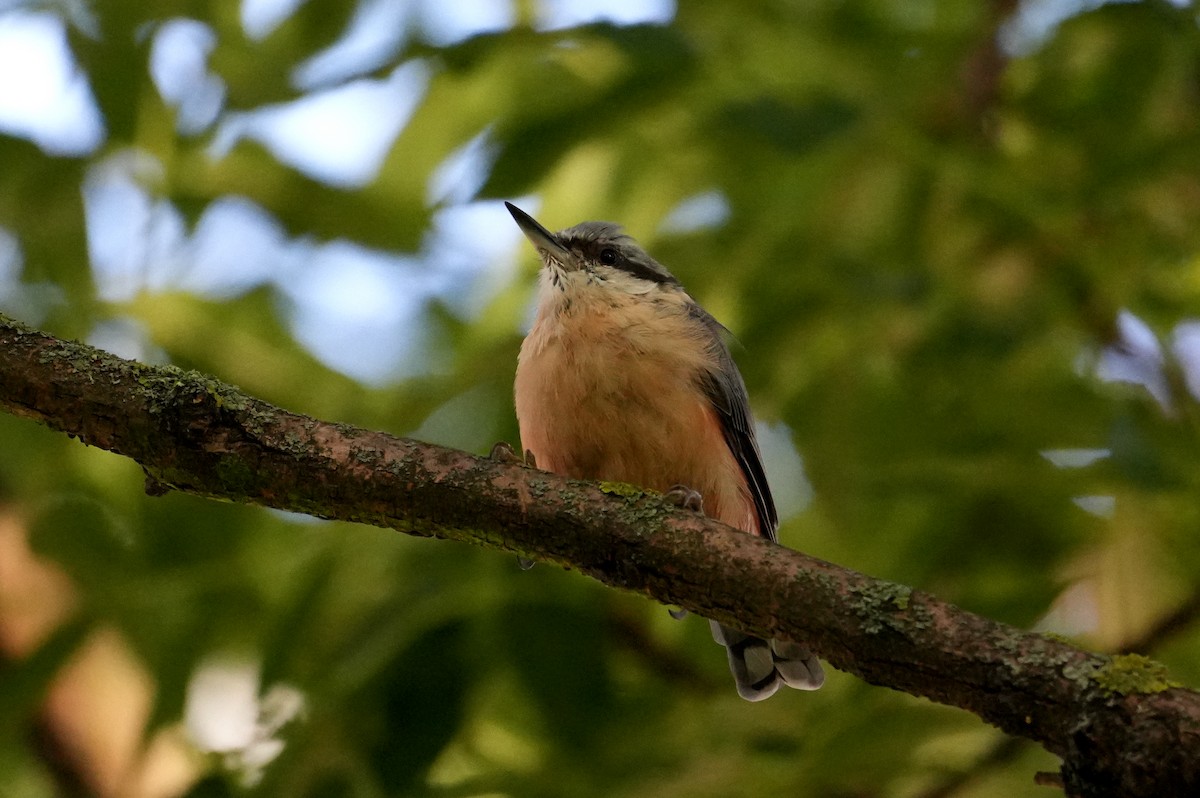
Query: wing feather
726	391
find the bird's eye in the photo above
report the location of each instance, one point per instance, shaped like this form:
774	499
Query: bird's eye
609	257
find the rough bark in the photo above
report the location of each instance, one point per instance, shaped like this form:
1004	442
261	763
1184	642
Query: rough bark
1119	725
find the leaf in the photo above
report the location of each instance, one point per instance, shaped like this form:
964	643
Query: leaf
24	682
795	128
561	659
422	704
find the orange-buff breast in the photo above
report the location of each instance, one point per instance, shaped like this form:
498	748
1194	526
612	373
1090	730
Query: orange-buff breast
600	397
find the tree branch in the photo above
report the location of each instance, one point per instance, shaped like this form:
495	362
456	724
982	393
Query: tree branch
1119	726
1006	749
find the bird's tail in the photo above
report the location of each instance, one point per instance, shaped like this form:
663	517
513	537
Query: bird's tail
760	666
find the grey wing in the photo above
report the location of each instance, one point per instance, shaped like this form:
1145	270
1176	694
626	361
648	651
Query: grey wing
727	392
759	666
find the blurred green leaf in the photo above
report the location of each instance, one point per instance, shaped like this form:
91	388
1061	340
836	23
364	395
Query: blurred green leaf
425	691
24	682
560	656
79	531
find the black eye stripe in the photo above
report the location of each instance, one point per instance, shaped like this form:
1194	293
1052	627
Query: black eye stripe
606	254
644	272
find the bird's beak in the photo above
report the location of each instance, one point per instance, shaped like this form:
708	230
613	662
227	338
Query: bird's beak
545	242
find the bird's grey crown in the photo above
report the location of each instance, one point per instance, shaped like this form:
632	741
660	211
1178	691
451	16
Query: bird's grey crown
593	231
590	239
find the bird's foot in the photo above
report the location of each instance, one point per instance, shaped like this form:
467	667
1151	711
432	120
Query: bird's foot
502	452
685	497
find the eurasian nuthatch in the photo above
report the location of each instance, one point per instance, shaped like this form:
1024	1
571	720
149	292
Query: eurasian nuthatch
624	377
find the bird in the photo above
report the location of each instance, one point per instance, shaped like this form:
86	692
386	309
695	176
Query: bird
624	377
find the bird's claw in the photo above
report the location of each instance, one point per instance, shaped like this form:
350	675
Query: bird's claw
503	452
685	497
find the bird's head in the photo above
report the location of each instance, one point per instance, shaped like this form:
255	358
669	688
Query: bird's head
594	256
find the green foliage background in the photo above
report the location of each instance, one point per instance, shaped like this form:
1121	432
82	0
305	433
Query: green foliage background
929	244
